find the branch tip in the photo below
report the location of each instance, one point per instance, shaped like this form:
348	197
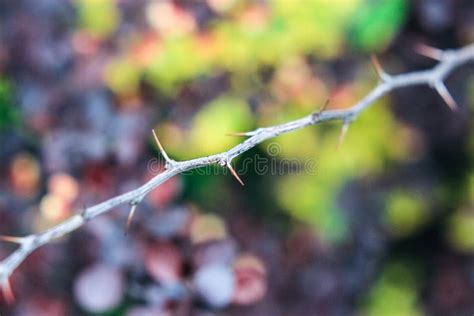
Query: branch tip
234	173
429	51
447	97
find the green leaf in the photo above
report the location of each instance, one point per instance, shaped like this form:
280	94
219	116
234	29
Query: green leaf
376	23
8	114
213	122
100	17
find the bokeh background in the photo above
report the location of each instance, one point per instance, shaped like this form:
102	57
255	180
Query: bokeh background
383	226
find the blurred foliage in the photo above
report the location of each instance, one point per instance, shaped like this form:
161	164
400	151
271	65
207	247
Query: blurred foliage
123	76
8	113
311	197
395	292
212	122
203	69
460	228
207	133
251	36
405	212
282	34
100	17
374	25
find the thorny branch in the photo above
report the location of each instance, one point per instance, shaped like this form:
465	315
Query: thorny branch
448	61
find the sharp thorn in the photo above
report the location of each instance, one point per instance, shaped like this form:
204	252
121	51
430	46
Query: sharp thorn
239	134
447	97
342	134
129	219
84	212
7	292
317	113
162	150
325	105
430	52
378	68
12	239
234	173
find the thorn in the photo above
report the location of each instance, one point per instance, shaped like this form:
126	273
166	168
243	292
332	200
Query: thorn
343	133
430	52
383	76
84	212
7	292
234	173
317	113
162	150
130	216
239	134
325	105
12	239
322	108
447	97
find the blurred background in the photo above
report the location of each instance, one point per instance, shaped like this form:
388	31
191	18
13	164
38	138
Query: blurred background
382	226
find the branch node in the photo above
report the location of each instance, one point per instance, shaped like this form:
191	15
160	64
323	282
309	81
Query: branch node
316	115
382	74
444	93
429	51
169	162
84	214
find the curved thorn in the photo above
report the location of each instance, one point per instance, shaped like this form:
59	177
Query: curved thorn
234	173
447	97
160	147
378	68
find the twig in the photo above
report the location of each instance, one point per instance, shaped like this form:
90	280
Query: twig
448	60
